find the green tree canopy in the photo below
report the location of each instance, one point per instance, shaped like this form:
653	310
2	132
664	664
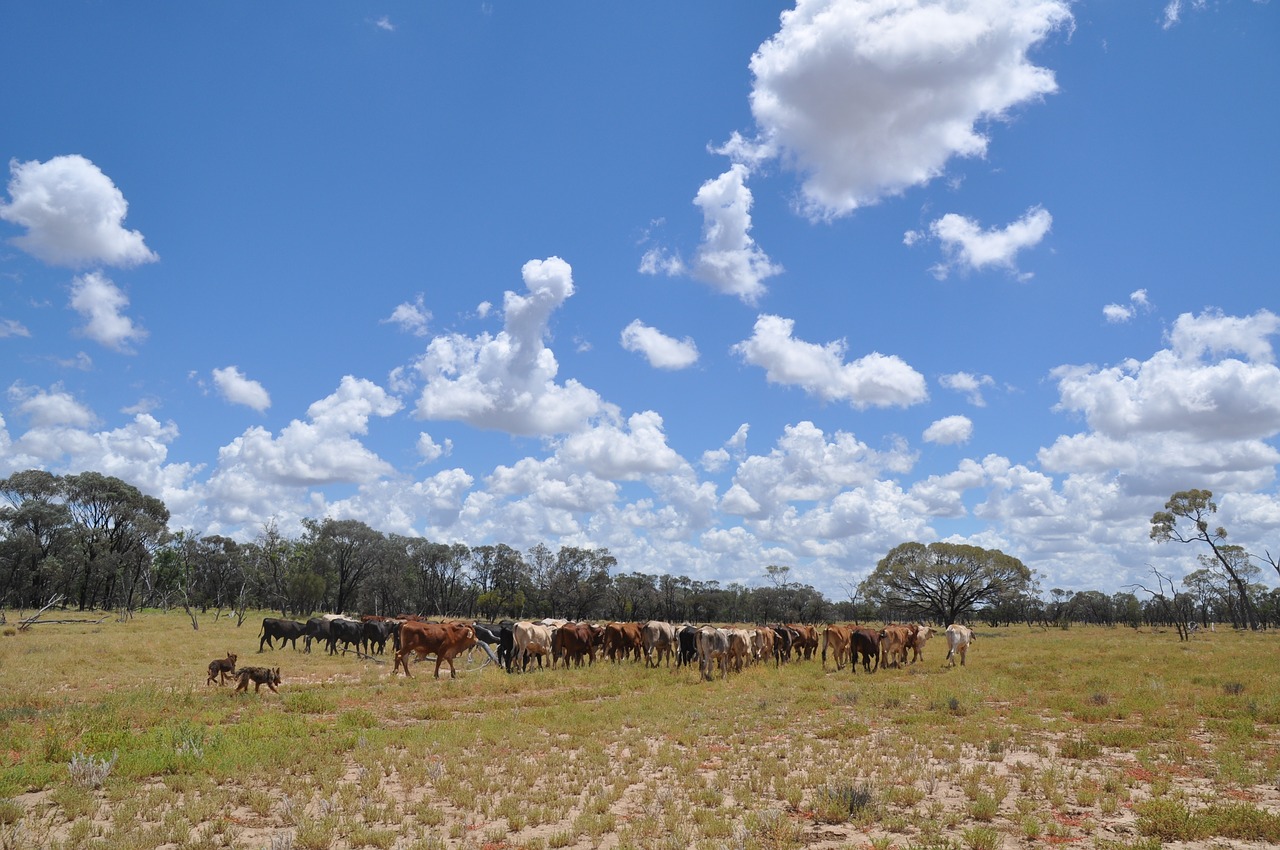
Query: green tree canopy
943	582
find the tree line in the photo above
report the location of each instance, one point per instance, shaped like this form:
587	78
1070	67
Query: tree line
92	541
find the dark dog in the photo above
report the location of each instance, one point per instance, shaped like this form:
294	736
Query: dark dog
259	676
222	669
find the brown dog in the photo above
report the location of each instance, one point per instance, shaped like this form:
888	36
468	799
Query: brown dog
259	676
222	669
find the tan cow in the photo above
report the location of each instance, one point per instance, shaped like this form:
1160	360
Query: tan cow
958	639
836	638
923	633
444	640
739	648
762	644
894	643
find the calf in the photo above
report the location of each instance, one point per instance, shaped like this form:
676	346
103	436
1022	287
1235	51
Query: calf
958	639
222	669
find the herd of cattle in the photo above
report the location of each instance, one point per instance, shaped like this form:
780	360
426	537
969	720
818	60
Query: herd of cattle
515	645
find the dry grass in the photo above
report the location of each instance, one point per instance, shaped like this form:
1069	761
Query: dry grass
1100	737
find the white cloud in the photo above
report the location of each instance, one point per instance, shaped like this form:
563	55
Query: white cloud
735	448
315	452
1211	334
659	260
1116	313
970	385
611	452
875	380
384	23
12	327
728	257
48	408
867	99
73	213
1189	411
236	388
949	431
1172	13
969	247
430	449
806	465
662	351
101	303
412	318
506	381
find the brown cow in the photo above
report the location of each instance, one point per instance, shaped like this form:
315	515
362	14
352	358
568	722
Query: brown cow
836	638
806	645
623	639
570	643
444	640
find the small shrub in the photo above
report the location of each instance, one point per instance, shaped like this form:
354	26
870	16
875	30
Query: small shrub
981	838
839	803
1080	748
1233	689
10	813
90	772
984	808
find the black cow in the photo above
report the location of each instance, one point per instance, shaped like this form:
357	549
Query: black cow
284	630
687	653
378	632
501	635
317	628
346	631
782	641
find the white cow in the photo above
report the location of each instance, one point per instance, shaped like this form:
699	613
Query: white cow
659	640
529	639
713	651
958	639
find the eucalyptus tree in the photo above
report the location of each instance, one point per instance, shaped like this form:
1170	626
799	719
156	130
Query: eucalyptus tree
943	582
116	530
35	531
1186	519
348	550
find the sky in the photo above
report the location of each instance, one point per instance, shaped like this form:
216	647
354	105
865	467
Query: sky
714	285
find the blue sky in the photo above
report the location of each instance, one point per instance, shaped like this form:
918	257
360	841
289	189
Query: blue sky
715	285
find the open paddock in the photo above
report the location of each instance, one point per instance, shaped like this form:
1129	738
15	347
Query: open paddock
110	737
